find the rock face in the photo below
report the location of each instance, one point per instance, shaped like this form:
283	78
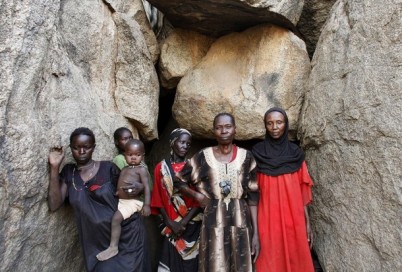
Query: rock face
71	63
220	17
63	65
137	86
244	74
181	51
352	134
313	17
137	10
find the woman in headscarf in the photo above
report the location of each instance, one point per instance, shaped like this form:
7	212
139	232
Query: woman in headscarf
285	187
225	180
180	214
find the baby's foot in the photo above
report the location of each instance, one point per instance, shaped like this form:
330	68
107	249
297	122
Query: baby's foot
107	253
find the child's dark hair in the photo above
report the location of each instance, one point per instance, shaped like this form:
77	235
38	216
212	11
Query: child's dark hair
132	142
82	131
224	114
117	133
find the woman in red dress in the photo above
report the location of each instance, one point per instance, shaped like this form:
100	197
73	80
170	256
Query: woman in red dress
285	191
180	214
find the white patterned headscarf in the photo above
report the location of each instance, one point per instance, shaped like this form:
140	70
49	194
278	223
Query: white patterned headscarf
175	134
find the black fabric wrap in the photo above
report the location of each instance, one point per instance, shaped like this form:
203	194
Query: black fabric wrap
275	157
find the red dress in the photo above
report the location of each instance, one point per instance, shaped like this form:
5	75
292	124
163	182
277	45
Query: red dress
281	222
177	253
160	197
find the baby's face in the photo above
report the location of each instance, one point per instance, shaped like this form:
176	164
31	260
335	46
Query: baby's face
134	154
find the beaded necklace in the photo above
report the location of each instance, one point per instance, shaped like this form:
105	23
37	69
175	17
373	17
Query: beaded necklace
88	178
135	166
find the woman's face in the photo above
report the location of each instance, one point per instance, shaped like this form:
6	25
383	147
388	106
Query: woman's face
182	145
123	139
82	148
224	130
275	124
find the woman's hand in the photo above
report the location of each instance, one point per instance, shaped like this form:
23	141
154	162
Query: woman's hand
255	247
176	227
134	189
57	189
255	242
310	237
56	156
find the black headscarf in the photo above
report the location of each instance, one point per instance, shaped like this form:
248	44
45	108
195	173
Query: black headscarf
278	156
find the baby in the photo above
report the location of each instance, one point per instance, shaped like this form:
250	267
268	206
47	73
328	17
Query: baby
134	172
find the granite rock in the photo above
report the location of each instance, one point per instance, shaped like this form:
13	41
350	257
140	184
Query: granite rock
244	74
59	65
180	52
220	17
352	134
314	15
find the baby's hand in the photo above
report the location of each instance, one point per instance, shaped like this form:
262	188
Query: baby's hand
146	210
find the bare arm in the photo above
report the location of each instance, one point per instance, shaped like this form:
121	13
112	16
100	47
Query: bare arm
190	215
136	189
175	227
255	243
186	190
146	210
310	237
178	227
57	190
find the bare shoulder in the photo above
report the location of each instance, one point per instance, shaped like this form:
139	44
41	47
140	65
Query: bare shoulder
127	170
141	169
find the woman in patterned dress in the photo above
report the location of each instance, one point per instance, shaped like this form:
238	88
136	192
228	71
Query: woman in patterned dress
225	180
180	214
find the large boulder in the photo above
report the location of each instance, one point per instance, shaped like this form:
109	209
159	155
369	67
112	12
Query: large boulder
245	74
141	12
61	63
137	86
352	133
220	17
180	52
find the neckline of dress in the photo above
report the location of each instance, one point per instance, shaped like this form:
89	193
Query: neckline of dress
212	155
94	174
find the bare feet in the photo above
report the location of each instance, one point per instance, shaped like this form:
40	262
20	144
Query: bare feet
107	253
